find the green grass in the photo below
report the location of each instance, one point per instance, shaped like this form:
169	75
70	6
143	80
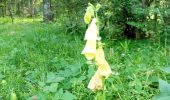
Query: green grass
41	60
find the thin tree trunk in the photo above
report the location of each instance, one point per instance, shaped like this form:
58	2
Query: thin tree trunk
11	13
47	13
143	3
32	9
18	9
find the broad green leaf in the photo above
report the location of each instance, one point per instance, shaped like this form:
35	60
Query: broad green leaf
78	80
58	94
42	84
68	96
52	88
166	69
46	89
164	86
66	73
52	77
162	96
91	71
42	96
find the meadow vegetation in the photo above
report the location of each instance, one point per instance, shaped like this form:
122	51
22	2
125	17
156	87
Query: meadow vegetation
41	44
41	60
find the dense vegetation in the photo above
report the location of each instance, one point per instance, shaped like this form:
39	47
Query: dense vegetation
41	43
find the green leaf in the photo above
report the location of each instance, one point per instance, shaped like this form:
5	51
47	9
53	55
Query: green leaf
52	88
78	80
166	69
41	84
98	6
58	94
90	9
164	86
1	76
41	96
52	77
68	96
91	71
162	96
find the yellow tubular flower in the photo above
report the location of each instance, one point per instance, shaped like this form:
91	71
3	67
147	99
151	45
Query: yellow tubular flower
104	69
99	55
89	49
95	82
92	31
103	66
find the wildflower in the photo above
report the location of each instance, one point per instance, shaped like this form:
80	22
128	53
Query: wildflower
91	36
99	54
103	66
92	31
95	82
104	69
89	49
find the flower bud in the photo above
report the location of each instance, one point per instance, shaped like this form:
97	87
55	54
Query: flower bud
87	18
98	6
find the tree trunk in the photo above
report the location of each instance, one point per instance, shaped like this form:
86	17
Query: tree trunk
33	8
18	12
11	13
47	13
143	3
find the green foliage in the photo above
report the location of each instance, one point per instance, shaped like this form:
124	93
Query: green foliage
43	61
119	18
40	61
164	87
142	20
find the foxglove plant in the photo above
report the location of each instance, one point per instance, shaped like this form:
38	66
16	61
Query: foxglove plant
93	49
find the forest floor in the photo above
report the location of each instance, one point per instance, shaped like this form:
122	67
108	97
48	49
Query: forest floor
41	61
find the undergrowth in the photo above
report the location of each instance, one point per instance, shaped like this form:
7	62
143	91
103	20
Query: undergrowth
41	61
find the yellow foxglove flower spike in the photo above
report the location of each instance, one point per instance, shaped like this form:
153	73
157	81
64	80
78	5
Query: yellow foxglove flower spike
89	49
103	66
92	36
92	31
96	82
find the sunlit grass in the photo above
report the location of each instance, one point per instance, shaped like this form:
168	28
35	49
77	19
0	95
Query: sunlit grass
19	20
